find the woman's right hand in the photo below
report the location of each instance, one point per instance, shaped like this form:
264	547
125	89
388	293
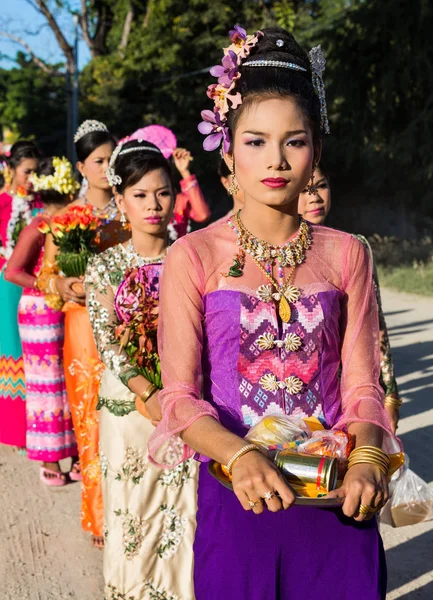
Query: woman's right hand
254	476
65	289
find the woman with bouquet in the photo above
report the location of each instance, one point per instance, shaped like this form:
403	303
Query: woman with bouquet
17	208
149	513
94	145
258	314
50	435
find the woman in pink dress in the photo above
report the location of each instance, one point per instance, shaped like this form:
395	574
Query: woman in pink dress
50	435
17	207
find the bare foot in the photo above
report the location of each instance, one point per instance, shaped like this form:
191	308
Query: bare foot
98	542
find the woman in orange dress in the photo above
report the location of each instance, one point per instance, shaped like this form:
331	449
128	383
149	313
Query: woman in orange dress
94	145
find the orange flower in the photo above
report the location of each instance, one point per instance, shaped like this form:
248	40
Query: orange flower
44	227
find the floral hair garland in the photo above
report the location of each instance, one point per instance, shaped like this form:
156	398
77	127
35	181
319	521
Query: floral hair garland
214	124
62	181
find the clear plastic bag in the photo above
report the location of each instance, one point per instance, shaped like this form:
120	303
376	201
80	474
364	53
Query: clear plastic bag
278	432
332	443
411	500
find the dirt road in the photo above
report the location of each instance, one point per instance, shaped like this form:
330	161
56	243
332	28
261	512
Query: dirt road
45	556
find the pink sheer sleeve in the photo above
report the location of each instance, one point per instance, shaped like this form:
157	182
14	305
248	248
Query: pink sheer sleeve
361	393
22	264
180	344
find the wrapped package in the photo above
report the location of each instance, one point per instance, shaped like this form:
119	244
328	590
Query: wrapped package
278	432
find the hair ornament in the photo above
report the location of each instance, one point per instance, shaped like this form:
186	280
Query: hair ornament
62	181
89	126
114	179
224	95
262	62
318	62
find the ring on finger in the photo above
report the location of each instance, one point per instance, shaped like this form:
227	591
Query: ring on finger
365	509
252	504
269	496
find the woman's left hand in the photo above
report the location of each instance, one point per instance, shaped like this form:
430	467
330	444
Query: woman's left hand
363	484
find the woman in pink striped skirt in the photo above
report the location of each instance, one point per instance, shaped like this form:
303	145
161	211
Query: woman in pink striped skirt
50	435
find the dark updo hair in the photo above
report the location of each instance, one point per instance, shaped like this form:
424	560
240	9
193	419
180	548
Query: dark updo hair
48	197
22	150
132	166
278	82
92	140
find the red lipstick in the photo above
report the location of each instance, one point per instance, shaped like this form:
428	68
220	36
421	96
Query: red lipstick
275	182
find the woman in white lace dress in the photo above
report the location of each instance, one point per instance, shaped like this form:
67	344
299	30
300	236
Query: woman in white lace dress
149	513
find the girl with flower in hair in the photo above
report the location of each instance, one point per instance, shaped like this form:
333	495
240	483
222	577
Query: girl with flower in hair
94	145
258	314
149	513
17	208
50	435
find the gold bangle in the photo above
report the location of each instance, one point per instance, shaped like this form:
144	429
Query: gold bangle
393	402
370	455
148	393
248	448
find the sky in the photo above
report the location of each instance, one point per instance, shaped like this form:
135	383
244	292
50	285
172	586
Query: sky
19	18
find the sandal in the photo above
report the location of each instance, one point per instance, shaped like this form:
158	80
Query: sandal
75	472
52	478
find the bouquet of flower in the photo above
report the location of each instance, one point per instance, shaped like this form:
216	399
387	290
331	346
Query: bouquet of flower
75	233
136	306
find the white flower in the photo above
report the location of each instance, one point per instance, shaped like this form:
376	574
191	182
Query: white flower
292	342
269	382
293	384
264	293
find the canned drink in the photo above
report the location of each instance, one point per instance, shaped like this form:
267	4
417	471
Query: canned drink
308	471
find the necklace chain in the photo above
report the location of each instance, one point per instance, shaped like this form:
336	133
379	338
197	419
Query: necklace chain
108	212
133	256
290	254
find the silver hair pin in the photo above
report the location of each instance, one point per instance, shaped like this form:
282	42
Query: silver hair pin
273	63
89	126
318	62
114	179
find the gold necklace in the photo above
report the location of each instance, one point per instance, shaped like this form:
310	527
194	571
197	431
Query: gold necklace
293	254
289	254
284	294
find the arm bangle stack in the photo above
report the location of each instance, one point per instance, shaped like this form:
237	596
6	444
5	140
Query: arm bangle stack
248	448
148	393
393	402
370	455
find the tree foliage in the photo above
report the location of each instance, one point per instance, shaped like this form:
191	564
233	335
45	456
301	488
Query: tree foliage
150	61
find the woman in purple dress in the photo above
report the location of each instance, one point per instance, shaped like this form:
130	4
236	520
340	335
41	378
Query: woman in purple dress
259	314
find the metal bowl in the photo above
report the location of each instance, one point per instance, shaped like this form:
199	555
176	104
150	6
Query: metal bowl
216	471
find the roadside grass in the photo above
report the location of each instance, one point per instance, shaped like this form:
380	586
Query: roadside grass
412	279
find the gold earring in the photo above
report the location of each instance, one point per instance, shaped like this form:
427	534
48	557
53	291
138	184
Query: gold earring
311	188
233	188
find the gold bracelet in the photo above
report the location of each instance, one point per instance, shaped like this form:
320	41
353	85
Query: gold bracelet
248	448
148	393
393	402
370	455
